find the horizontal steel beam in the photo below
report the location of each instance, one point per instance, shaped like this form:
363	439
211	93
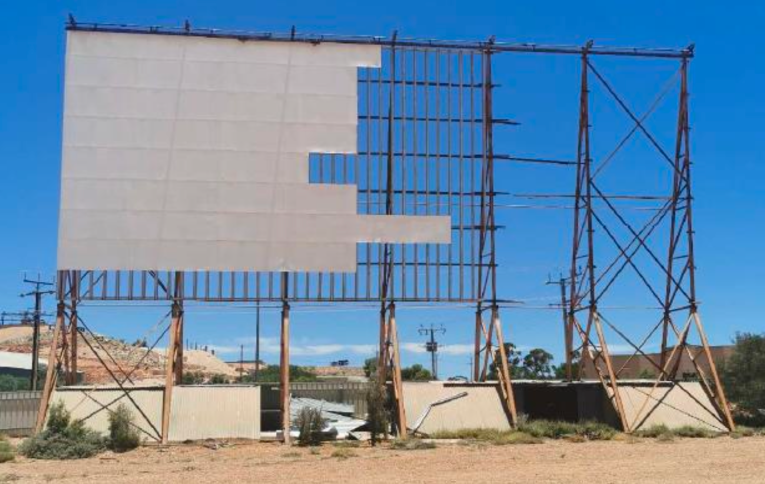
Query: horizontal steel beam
482	46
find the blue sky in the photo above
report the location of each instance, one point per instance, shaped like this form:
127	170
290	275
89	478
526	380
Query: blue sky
727	114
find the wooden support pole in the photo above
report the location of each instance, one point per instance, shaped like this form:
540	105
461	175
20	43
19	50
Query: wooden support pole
723	401
504	369
170	361
178	364
606	355
477	349
382	355
71	377
284	372
398	387
50	374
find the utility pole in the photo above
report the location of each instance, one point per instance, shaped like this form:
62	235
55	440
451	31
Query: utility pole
257	341
431	346
241	363
38	294
568	330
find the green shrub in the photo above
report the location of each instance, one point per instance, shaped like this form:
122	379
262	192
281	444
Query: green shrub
550	429
596	431
377	415
63	438
310	423
661	431
6	450
554	429
654	431
692	432
123	435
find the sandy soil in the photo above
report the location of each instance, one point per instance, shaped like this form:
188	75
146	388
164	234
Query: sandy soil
10	333
643	461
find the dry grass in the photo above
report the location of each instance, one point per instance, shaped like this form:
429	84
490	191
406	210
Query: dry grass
532	432
412	444
343	453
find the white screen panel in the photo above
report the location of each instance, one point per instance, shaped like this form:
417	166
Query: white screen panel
188	153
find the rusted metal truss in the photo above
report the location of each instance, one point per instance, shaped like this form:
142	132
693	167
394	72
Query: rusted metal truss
674	291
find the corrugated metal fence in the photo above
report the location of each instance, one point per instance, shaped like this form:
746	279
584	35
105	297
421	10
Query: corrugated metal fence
18	412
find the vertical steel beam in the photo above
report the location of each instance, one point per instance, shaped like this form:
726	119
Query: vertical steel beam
584	203
284	372
477	349
677	180
178	365
71	377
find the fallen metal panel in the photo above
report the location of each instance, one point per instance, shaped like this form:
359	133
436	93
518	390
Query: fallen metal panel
480	408
673	405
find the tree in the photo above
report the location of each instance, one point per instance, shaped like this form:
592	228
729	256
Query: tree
560	370
370	367
536	364
271	374
416	373
514	359
743	375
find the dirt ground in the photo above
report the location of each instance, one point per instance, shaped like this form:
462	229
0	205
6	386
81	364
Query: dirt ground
640	460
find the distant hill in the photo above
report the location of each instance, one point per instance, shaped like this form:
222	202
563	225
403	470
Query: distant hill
151	364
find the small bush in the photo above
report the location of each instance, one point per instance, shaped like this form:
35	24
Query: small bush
691	432
310	423
6	450
550	429
661	431
654	431
412	444
553	429
63	438
742	431
377	415
596	431
123	435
